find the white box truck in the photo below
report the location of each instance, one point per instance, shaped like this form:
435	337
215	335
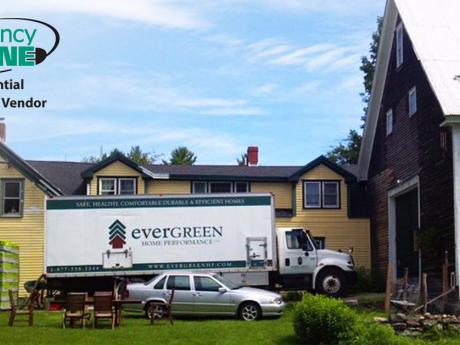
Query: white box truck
90	241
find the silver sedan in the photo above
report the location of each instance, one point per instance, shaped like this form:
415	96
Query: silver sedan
204	294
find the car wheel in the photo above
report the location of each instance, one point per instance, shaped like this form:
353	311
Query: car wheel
154	310
331	282
250	311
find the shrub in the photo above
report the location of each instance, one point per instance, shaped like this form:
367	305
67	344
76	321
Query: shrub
323	320
368	281
371	333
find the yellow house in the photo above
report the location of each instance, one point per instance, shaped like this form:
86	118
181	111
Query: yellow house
321	196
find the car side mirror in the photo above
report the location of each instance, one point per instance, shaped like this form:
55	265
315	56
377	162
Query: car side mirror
222	290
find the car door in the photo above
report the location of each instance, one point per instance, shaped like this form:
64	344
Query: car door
208	298
183	294
299	254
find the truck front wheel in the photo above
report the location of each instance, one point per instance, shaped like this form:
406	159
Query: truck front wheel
331	282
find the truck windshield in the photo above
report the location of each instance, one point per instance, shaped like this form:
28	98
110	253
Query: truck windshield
228	283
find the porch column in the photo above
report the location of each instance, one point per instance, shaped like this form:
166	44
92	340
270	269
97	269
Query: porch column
456	163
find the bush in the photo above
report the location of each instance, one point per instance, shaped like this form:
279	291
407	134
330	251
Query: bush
368	281
371	333
323	320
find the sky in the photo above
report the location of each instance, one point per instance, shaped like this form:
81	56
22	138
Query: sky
215	76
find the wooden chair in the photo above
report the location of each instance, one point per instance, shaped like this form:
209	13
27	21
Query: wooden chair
27	309
76	309
103	307
166	310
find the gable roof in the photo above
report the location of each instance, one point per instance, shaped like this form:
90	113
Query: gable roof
28	171
434	30
117	156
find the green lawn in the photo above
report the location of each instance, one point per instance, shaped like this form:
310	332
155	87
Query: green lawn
137	330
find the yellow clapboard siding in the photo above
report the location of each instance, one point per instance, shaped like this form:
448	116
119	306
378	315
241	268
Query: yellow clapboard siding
28	230
169	187
281	191
117	168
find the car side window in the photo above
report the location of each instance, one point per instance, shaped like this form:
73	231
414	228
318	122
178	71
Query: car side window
178	283
160	284
205	284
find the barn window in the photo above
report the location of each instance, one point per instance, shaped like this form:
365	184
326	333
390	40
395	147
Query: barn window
389	122
412	101
399	45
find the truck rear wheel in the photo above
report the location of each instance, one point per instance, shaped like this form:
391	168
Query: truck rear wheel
331	282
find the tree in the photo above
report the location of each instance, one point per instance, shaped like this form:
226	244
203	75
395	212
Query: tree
242	160
135	154
347	151
181	156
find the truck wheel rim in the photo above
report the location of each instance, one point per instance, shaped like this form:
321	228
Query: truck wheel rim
249	312
331	284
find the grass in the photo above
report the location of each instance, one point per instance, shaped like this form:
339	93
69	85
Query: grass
137	330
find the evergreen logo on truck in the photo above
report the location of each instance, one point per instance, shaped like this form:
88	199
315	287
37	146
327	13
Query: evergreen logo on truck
117	235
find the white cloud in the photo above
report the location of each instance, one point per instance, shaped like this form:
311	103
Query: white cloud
264	89
299	56
166	14
244	111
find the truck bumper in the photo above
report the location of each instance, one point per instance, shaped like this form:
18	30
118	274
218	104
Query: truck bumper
352	277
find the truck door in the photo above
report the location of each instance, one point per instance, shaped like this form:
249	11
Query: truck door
296	252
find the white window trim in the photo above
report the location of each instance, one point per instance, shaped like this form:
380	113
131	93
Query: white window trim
399	45
211	182
105	179
202	182
305	194
126	179
337	201
389	129
412	92
3	198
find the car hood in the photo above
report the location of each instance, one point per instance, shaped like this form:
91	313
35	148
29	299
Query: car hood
259	292
327	253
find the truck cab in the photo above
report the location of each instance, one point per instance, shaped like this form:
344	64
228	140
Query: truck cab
303	266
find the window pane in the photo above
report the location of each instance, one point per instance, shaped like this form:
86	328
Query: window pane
241	187
221	187
199	187
160	284
12	189
330	197
206	284
11	206
107	187
293	240
127	186
178	283
320	242
412	101
389	118
312	194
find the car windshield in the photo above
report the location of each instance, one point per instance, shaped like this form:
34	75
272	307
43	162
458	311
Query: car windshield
228	283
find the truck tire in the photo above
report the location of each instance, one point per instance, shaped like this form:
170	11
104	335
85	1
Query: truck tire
249	311
331	282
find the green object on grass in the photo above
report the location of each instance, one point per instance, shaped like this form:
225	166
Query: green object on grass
9	271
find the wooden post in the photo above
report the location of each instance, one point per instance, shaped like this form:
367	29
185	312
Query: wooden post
424	292
445	278
389	287
405	283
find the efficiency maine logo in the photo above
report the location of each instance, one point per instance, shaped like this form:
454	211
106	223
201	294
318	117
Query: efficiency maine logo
18	39
117	235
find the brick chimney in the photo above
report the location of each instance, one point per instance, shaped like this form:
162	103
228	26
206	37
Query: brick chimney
253	156
2	130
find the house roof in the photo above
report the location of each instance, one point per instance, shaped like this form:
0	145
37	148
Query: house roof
29	171
434	30
69	177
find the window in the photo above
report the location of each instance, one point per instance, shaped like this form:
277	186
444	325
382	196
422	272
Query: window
320	242
107	186
117	186
312	194
220	187
178	283
330	194
399	45
241	187
12	198
199	188
389	122
412	101
321	194
296	239
127	186
206	284
160	285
